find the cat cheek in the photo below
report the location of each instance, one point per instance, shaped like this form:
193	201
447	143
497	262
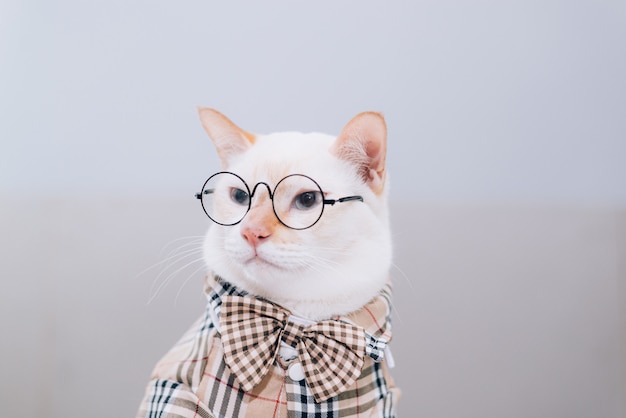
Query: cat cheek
236	247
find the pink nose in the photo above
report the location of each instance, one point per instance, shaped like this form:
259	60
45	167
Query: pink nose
259	224
254	234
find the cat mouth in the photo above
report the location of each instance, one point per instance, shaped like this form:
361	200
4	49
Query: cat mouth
260	261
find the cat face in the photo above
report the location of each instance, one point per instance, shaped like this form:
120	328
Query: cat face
338	264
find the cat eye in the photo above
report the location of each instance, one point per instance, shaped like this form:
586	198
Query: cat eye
239	196
307	200
298	200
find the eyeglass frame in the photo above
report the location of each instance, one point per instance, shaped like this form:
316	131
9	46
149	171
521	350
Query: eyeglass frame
271	193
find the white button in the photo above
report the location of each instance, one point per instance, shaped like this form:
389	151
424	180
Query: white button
296	372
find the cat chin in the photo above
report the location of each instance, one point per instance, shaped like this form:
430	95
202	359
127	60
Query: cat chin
305	292
324	306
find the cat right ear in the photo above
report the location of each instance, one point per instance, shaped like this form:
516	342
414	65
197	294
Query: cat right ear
229	139
363	142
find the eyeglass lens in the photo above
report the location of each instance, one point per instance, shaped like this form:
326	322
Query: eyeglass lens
297	200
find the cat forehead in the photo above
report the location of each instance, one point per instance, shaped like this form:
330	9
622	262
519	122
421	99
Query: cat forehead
294	142
274	156
289	149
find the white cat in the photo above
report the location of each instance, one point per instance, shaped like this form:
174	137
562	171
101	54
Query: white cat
331	269
298	253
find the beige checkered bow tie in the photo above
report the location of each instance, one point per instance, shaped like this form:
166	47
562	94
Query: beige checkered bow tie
331	352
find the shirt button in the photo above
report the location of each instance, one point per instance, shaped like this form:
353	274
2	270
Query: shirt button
296	372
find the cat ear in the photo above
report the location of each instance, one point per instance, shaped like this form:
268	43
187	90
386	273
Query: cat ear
229	139
363	142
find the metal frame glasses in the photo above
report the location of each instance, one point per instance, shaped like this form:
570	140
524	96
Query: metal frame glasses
297	200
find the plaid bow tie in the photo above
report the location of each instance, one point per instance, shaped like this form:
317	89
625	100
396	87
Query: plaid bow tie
331	352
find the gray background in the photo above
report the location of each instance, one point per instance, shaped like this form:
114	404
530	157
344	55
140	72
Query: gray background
507	155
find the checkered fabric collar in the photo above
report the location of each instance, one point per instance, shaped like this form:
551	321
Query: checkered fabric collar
330	351
374	318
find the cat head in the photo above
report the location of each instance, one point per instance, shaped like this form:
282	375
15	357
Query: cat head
342	260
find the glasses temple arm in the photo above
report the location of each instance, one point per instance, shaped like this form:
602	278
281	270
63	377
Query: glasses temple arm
207	191
342	199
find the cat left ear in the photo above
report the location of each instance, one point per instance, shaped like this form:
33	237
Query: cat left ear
363	142
229	139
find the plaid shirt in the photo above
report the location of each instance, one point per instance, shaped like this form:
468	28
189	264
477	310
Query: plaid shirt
192	380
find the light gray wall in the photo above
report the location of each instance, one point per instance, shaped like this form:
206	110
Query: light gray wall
498	312
486	100
507	146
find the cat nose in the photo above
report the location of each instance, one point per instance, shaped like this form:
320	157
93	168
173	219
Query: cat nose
258	225
254	235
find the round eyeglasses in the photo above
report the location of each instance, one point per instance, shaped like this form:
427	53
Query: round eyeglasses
298	200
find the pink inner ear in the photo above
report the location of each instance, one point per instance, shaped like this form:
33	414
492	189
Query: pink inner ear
376	155
228	138
363	142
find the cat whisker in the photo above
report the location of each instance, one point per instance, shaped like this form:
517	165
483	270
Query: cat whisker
194	243
160	282
168	278
324	261
186	281
171	261
305	265
333	250
174	257
194	247
195	238
319	265
406	280
404	276
172	254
